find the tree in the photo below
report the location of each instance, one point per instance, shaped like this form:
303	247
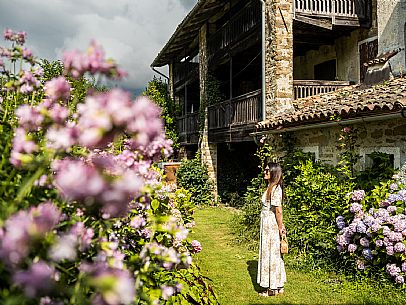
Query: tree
157	91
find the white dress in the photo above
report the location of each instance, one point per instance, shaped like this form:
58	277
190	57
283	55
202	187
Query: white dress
271	269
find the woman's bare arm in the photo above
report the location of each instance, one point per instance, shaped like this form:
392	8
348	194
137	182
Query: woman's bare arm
279	220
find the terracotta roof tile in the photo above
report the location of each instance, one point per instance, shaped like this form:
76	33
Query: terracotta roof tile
348	102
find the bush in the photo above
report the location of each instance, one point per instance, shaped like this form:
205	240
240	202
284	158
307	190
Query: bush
81	221
373	229
313	201
246	223
193	176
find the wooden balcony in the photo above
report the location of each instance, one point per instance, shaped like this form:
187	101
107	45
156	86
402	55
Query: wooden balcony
305	88
184	71
242	110
336	12
188	127
235	30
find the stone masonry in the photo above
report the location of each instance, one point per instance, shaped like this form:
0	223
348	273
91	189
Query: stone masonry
382	136
279	56
208	151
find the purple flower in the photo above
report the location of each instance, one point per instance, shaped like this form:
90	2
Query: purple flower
379	242
360	264
361	228
358	195
395	236
57	89
120	288
79	181
392	269
340	221
394	186
367	253
37	280
29	117
137	222
391	209
197	247
404	266
167	291
399	279
355	207
393	198
389	250
399	247
364	242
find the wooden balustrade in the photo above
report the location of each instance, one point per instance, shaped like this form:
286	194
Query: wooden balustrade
184	70
235	28
331	8
305	88
188	125
242	110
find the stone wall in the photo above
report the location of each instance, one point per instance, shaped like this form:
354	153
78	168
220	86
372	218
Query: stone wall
278	56
392	31
345	51
208	151
384	136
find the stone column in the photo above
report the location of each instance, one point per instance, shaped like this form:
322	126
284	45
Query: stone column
391	15
278	56
208	151
171	89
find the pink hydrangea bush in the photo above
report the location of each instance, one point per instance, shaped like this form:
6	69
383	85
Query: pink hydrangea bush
114	234
373	233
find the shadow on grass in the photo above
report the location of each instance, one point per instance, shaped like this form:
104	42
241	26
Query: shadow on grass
252	267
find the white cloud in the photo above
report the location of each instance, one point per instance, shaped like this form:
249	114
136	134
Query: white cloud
131	31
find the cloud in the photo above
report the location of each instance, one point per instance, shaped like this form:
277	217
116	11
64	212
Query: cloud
131	32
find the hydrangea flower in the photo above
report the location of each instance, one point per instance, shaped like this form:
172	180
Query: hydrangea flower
358	195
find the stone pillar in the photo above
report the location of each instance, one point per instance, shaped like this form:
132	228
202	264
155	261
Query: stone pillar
171	89
391	15
208	151
278	56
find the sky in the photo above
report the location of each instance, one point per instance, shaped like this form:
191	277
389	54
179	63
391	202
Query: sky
132	32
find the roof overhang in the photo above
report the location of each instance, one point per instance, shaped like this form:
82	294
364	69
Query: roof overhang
187	31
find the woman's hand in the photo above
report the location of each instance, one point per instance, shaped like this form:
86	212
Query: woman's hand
282	230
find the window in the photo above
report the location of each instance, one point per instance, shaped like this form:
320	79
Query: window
314	150
369	159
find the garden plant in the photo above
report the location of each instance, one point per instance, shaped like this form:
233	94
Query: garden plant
85	217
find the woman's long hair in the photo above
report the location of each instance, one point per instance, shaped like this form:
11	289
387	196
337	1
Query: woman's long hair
275	178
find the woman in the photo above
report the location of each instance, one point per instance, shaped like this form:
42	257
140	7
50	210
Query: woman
271	269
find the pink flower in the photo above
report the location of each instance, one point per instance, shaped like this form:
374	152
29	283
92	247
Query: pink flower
57	89
37	280
79	181
346	129
197	247
8	34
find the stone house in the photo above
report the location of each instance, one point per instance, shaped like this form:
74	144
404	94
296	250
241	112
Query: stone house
241	69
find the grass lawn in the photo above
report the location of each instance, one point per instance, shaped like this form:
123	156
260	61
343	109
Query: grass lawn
232	268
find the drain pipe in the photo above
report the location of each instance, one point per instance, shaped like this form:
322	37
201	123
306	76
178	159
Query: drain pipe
397	115
263	61
156	71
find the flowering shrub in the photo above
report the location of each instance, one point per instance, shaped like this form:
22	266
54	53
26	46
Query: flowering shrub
102	228
373	232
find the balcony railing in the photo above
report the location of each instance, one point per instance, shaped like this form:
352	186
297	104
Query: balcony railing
332	8
239	25
188	127
184	70
242	110
305	88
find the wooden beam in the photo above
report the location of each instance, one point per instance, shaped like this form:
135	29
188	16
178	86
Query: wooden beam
322	23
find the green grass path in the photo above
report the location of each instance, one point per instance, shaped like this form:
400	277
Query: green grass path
232	268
